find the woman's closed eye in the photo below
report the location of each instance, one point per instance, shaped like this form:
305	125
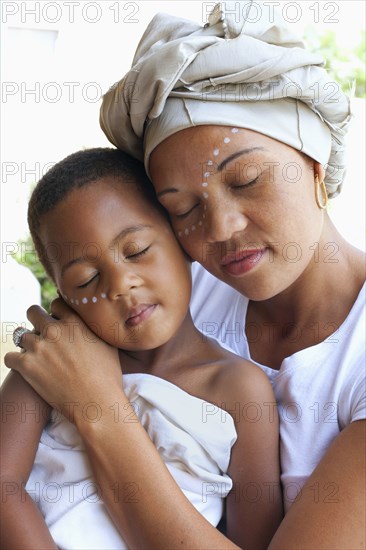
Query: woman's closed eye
187	213
245	185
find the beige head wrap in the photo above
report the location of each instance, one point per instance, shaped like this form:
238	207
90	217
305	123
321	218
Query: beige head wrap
246	71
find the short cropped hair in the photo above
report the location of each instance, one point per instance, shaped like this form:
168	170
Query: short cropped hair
79	170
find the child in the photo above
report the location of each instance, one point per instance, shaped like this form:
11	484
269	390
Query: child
109	248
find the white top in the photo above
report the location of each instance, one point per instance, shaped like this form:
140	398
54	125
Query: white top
193	437
319	390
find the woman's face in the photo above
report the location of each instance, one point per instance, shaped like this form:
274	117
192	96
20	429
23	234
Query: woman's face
242	204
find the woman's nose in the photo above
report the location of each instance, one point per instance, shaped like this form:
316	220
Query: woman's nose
122	280
222	221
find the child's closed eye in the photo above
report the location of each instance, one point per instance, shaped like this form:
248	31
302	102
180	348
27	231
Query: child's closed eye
137	255
89	281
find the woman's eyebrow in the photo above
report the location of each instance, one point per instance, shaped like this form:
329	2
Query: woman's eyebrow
169	190
220	166
126	231
234	156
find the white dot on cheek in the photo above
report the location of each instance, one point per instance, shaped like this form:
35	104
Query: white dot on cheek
94	299
206	175
216	152
205	195
85	300
179	233
77	302
186	231
103	295
226	140
204	184
72	301
210	162
234	130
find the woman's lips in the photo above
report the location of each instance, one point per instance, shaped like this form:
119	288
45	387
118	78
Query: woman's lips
241	262
139	314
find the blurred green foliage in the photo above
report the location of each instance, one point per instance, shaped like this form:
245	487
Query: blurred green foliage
30	260
345	65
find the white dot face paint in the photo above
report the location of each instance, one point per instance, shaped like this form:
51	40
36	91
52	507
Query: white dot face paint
84	300
72	301
200	223
234	130
216	152
227	140
193	228
206	174
103	295
186	231
209	162
77	302
205	195
94	299
204	184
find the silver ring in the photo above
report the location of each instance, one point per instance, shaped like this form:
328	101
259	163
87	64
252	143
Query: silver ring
17	336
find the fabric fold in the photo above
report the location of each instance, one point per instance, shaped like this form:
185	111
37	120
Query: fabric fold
228	60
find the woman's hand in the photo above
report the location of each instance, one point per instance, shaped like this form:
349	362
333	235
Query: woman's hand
64	361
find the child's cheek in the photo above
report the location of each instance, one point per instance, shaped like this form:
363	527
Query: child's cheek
84	300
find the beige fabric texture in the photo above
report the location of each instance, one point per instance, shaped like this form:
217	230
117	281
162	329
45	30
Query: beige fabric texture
249	71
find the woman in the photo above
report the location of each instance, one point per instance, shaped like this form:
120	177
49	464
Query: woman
244	146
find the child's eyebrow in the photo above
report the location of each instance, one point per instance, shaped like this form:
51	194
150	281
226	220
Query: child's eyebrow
121	235
127	230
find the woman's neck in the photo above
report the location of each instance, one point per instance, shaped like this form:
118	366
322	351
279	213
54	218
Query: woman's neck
315	305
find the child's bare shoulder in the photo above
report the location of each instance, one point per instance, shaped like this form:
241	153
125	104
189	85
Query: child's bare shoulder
235	379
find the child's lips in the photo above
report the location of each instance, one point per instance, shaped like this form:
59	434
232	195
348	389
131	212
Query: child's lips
139	314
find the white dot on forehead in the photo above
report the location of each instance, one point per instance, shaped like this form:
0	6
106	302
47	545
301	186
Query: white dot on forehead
204	184
94	299
216	152
85	300
226	140
103	295
206	174
234	130
209	162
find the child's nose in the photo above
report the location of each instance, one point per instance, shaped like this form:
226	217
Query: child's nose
122	281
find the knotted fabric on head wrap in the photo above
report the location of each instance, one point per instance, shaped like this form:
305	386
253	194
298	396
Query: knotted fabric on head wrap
244	68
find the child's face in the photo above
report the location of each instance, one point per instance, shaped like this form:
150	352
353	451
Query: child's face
117	263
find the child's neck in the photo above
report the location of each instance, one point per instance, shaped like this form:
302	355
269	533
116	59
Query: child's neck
179	350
